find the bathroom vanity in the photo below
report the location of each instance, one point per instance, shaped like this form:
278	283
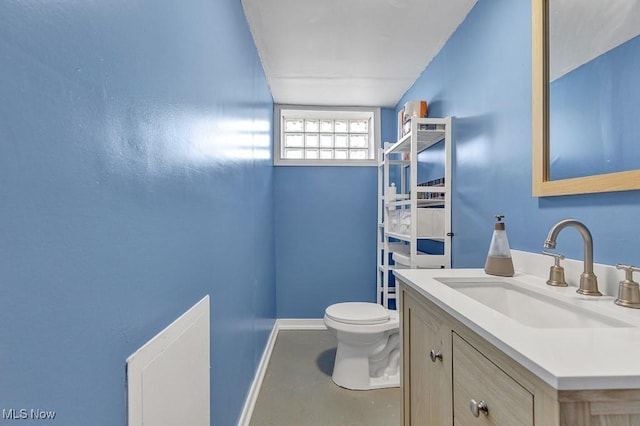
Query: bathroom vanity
513	351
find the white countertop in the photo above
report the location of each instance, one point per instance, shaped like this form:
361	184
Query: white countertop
565	358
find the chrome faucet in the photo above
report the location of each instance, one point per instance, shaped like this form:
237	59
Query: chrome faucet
588	280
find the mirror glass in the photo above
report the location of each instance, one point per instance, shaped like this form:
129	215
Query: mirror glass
594	87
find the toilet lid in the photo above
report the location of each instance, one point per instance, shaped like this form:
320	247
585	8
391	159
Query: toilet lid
358	313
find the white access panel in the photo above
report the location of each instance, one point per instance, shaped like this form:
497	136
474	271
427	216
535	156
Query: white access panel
168	377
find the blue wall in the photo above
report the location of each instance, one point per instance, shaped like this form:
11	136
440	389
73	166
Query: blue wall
482	77
594	122
326	222
135	178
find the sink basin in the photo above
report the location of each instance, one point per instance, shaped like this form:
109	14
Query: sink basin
530	308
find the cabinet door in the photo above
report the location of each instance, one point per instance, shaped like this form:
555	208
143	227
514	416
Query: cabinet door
427	383
476	378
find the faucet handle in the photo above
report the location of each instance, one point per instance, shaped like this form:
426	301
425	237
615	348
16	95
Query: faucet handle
556	272
628	290
629	270
557	257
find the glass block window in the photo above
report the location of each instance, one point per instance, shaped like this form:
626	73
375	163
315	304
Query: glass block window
310	136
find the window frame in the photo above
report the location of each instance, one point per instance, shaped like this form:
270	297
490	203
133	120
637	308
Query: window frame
335	113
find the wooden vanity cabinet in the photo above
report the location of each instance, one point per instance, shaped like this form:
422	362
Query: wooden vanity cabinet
427	382
446	366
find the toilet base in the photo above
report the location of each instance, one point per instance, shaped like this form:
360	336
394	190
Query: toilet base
385	382
352	370
374	382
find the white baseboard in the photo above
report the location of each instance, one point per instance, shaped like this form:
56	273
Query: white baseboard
280	324
300	324
252	396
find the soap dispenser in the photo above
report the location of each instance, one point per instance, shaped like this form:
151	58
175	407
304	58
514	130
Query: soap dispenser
499	258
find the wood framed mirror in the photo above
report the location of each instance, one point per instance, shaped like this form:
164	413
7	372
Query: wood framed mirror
543	181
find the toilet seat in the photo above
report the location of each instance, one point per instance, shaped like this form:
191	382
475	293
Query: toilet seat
358	313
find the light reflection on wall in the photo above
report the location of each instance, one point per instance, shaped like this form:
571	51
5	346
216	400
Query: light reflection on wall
160	140
230	140
473	152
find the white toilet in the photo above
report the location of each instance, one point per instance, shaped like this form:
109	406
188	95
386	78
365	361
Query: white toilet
368	353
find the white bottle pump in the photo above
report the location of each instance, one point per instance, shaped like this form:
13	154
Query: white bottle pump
499	260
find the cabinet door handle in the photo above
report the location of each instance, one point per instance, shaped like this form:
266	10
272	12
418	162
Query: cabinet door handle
434	355
478	407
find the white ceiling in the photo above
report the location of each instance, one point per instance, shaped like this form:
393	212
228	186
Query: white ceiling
581	30
349	52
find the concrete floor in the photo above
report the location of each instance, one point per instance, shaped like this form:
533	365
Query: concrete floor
298	391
